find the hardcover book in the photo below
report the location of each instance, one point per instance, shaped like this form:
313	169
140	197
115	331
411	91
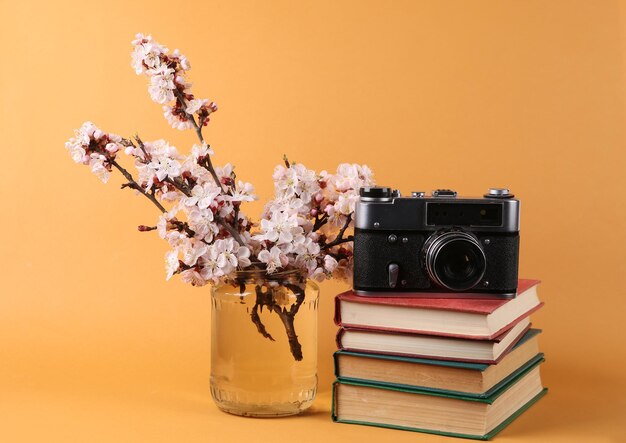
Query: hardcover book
443	413
431	346
470	379
482	319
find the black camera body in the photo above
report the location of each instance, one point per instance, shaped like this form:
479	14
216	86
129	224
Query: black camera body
442	243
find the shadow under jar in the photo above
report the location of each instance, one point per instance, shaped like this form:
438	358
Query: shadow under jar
264	343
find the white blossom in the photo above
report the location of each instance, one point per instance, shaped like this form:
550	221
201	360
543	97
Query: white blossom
193	276
307	213
274	259
182	60
97	164
201	222
202	150
203	195
330	210
243	256
200	173
224	172
77	152
346	203
162	85
194	105
165	167
243	193
230	255
330	264
112	147
280	227
171	263
89	146
306	251
318	274
167	231
192	249
174	120
164	162
210	269
297	180
146	55
351	176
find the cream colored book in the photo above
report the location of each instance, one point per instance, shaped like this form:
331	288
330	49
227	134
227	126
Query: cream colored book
466	378
443	413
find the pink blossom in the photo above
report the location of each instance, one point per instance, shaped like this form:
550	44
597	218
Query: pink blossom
146	54
192	249
162	85
274	259
175	120
194	105
203	195
202	150
309	211
171	263
193	276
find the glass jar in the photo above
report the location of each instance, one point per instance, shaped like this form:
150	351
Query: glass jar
264	344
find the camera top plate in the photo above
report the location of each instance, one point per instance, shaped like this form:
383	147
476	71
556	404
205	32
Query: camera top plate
382	208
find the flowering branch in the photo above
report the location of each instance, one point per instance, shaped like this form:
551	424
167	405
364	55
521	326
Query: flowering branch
231	230
198	128
146	156
339	239
134	185
305	227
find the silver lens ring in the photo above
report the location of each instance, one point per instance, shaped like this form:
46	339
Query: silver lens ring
440	240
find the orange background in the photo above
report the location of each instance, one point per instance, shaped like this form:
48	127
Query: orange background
96	346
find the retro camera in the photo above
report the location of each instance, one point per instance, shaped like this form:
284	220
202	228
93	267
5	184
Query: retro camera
438	243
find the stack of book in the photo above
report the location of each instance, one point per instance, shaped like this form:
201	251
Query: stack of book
463	367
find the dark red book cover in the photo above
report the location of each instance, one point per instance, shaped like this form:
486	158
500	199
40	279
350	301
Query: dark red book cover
469	305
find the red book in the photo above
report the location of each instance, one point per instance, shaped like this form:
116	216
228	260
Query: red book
481	319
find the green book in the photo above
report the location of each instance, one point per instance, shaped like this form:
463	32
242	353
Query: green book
437	412
463	378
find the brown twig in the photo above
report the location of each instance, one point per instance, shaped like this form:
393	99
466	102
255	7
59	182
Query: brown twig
179	185
147	157
134	185
287	316
183	226
320	221
233	230
339	239
261	300
209	165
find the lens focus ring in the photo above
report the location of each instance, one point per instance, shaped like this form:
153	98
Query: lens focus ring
454	260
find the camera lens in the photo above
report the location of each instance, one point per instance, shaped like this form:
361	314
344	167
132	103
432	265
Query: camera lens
454	260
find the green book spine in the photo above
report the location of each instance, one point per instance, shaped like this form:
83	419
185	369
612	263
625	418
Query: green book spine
487	436
445	393
505	382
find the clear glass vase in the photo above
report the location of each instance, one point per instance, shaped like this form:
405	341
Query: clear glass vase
264	344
